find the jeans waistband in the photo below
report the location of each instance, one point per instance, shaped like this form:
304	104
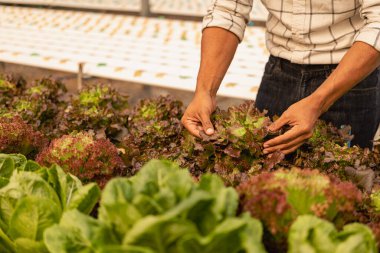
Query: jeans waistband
286	65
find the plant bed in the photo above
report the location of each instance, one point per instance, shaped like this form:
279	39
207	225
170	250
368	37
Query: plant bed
230	197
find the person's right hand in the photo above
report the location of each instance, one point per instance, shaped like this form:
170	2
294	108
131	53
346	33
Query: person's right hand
197	115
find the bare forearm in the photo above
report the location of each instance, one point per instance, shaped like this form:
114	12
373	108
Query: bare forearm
218	49
357	64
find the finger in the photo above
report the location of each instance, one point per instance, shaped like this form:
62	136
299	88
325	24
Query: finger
290	135
286	146
278	124
291	149
207	125
193	130
192	126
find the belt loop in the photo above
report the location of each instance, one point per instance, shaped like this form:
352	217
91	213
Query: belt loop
272	62
304	68
276	63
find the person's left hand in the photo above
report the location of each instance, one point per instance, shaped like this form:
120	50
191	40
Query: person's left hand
301	117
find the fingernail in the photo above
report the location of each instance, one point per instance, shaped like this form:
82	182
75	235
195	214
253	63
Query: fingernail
266	145
265	152
210	131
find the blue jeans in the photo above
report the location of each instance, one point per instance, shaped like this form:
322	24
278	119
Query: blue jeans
284	83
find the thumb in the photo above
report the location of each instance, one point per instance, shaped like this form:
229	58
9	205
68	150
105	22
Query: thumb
278	124
206	124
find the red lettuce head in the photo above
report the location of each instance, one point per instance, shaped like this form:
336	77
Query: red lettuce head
18	137
84	156
278	198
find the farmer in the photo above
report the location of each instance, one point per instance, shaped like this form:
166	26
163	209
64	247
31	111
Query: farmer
323	64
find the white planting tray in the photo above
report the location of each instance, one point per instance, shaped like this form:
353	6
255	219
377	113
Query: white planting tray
195	8
150	51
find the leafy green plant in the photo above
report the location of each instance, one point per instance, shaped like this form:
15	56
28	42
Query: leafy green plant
34	111
335	158
328	151
18	137
311	234
84	156
9	87
153	131
376	153
99	108
326	132
161	209
38	103
33	198
375	197
375	226
235	150
155	120
140	214
279	197
46	88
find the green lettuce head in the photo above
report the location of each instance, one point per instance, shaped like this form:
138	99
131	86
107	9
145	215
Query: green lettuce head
160	209
311	234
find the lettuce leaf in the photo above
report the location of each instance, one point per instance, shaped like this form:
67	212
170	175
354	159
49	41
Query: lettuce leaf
78	232
34	198
32	216
161	209
310	234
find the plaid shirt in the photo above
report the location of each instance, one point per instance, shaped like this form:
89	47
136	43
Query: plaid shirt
305	31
